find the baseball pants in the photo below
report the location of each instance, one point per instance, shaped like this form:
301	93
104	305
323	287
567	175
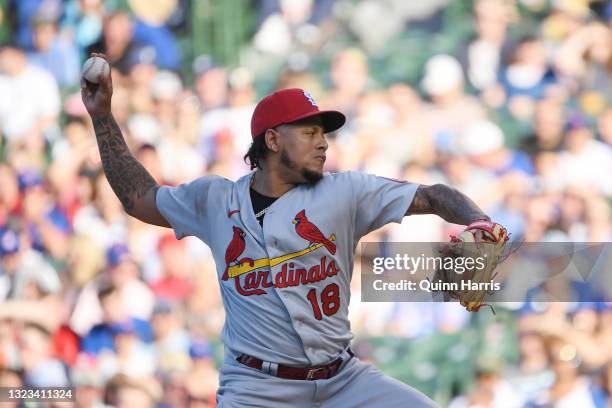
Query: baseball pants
357	385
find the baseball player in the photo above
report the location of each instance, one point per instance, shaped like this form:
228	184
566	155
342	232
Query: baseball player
283	238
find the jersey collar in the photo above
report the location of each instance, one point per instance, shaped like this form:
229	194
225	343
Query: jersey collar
246	208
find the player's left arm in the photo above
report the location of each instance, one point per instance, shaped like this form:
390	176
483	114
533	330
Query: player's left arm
446	202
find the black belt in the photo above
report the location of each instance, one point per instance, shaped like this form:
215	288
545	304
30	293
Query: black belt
320	372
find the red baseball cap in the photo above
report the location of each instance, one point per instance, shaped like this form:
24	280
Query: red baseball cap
290	105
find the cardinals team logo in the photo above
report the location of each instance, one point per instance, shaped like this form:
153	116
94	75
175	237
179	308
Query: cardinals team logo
310	99
234	250
252	276
311	232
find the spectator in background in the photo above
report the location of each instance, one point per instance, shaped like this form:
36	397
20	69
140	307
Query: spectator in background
242	99
228	139
562	20
604	126
287	25
134	396
490	390
585	329
175	284
145	130
131	357
527	77
212	88
41	369
372	117
10	199
115	322
83	21
571	388
476	182
211	83
101	218
123	271
175	392
44	222
69	173
349	76
36	303
585	159
549	178
547	128
528	72
413	141
572	210
148	155
11	379
24	11
605	398
124	392
117	41
142	73
203	378
54	52
88	387
181	160
483	142
599	222
319	9
171	340
137	300
27	274
487	52
585	59
532	374
451	109
166	87
9	246
29	100
150	29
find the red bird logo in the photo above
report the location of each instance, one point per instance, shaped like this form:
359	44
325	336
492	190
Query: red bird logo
311	233
234	250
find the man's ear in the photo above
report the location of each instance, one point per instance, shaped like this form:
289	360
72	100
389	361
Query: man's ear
273	140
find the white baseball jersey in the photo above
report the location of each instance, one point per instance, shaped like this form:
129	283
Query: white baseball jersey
286	285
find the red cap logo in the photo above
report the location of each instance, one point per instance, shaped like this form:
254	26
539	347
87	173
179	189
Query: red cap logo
290	105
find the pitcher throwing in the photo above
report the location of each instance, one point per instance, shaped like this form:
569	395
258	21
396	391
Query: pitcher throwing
283	238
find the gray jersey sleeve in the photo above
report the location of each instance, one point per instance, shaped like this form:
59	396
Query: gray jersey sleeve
188	207
379	201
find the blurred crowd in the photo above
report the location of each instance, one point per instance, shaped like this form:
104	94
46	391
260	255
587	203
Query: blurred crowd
507	100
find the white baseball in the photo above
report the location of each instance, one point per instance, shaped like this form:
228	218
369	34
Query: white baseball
93	67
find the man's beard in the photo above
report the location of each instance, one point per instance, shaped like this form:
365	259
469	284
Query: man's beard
311	177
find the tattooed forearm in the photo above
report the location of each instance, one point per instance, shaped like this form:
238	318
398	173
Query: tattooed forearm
446	202
127	177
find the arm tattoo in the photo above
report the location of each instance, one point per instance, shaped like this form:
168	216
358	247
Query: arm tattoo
127	177
446	202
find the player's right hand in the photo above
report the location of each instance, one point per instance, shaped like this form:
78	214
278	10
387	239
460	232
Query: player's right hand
97	97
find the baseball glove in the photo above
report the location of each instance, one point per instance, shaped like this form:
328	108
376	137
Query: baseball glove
484	242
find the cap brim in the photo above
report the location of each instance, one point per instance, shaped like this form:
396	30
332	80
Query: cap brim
332	120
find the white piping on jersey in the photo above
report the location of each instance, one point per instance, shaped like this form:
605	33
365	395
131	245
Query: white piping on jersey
262	212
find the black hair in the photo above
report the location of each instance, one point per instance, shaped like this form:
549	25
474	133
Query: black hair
39	328
11	42
105	289
70	119
146	147
257	152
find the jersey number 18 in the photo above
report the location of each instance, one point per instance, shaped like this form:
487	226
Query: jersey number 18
330	300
